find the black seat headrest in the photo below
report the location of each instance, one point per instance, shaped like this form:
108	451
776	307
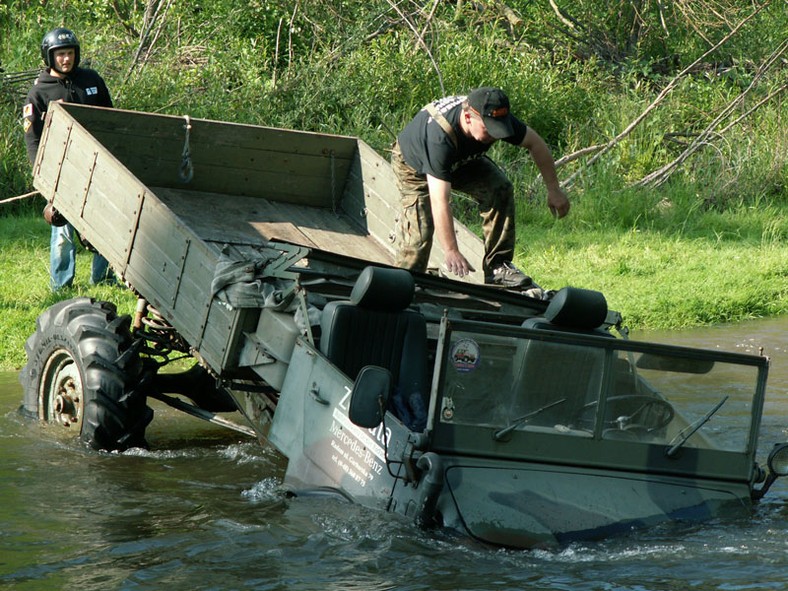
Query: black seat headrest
578	308
380	288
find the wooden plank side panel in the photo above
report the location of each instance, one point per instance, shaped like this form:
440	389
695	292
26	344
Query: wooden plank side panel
279	164
220	330
258	173
75	175
265	156
157	254
87	179
307	182
52	147
172	268
371	197
110	209
193	297
106	123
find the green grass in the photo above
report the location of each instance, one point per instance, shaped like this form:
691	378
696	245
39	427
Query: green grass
657	278
708	247
660	281
24	284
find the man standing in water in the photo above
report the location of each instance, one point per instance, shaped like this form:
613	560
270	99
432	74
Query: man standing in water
63	80
443	148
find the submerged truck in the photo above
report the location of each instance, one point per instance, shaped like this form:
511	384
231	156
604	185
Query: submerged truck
520	418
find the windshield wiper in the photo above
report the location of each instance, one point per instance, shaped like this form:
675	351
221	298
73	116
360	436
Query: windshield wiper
674	448
499	435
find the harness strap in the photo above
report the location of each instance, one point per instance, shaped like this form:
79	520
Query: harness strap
443	122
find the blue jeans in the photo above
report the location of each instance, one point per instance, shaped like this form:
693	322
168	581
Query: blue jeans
62	260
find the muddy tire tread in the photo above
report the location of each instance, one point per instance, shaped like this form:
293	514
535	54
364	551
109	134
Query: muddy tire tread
115	410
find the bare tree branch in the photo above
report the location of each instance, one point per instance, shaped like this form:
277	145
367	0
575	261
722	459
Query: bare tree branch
421	42
662	95
428	20
661	175
568	22
510	15
153	9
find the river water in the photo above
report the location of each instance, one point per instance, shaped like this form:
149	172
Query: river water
203	509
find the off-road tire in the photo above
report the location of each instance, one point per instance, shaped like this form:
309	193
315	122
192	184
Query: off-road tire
84	372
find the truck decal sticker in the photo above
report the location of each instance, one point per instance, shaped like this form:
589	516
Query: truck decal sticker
465	355
354	450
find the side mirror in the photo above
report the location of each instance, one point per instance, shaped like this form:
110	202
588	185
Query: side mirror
370	396
778	466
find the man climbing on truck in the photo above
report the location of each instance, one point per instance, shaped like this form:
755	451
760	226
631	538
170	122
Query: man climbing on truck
63	80
444	148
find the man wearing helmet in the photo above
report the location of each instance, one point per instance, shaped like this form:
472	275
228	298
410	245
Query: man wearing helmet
63	80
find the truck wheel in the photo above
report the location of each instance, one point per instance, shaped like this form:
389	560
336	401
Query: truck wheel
83	373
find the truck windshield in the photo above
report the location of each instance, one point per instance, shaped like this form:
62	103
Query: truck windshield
599	387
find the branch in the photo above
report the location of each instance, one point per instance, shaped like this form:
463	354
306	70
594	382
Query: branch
125	22
510	15
567	158
276	51
428	20
662	23
18	197
151	16
658	177
566	20
290	53
421	42
662	95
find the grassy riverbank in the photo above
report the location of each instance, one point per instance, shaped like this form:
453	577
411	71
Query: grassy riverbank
673	148
657	278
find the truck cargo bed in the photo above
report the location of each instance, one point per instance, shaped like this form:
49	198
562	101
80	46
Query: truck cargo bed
240	220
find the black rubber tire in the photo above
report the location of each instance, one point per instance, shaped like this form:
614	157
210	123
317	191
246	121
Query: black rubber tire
84	372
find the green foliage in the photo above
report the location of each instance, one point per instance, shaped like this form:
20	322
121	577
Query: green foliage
364	69
14	166
24	284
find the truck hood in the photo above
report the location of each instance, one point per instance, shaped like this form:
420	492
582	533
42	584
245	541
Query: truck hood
546	507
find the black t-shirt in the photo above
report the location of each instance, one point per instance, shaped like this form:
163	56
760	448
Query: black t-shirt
429	149
83	86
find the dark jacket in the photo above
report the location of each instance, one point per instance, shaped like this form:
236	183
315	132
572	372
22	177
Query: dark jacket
83	86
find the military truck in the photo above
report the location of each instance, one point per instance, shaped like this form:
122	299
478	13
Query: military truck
520	418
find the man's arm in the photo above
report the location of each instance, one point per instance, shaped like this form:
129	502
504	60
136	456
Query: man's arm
556	198
33	125
443	220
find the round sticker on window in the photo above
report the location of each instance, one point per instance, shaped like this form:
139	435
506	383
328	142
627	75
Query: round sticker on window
465	355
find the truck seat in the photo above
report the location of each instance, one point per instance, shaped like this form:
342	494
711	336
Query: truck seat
550	372
376	328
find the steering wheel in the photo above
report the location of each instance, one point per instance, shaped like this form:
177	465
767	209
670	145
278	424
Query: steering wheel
652	413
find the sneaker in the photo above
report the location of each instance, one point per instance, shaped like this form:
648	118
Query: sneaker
507	275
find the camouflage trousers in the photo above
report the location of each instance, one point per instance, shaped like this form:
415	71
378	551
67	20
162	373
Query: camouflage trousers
482	180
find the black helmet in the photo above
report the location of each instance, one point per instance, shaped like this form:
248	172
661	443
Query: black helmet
58	39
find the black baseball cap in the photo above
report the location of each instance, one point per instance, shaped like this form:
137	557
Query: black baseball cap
493	105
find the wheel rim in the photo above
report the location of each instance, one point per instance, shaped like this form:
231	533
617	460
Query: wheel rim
61	398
